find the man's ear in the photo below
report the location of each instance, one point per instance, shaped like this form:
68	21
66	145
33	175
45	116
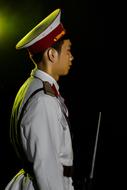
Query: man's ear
52	54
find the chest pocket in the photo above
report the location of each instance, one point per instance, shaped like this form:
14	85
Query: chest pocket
64	121
64	118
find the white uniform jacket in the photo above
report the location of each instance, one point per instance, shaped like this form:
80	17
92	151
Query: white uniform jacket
45	136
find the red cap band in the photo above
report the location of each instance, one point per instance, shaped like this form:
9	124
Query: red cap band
48	40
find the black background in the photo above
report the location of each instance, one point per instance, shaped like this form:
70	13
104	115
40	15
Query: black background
91	85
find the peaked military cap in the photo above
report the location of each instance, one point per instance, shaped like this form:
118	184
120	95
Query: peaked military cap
43	35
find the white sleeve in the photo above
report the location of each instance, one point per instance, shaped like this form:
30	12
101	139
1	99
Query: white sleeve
41	131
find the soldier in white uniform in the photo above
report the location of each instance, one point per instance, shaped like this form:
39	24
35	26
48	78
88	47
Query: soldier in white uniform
39	122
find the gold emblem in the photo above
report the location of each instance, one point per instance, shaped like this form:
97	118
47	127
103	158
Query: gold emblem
59	36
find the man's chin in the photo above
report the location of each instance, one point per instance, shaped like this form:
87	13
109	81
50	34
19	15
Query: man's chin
66	73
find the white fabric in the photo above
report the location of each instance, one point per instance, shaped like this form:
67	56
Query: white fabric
46	138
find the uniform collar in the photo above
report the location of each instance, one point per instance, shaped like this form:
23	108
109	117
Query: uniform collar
44	77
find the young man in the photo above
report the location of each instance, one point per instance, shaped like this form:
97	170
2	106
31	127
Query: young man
39	121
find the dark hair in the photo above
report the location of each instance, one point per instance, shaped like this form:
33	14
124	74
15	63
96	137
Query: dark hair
37	57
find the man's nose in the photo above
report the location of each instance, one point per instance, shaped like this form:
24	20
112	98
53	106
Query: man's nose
71	57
